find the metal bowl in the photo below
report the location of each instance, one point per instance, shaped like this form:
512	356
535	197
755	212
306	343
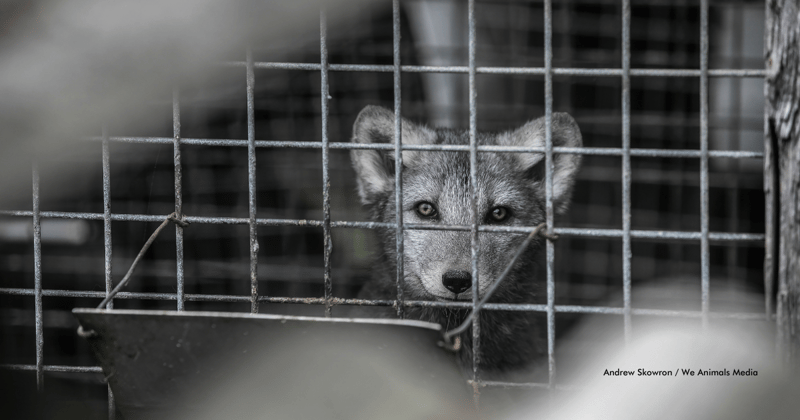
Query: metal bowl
163	364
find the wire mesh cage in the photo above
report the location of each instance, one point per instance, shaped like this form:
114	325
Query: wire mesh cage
668	96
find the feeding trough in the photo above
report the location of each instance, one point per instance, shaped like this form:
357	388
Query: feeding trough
163	364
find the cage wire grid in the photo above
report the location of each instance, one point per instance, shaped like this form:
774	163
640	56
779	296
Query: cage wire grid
704	236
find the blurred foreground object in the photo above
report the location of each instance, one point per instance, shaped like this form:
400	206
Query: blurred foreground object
71	66
675	368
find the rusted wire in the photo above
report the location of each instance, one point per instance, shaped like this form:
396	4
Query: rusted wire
172	218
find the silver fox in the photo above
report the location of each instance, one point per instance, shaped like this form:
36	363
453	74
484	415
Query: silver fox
510	191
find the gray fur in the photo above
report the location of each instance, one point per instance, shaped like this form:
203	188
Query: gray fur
509	339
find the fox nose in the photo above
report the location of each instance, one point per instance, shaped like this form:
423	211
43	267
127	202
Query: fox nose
457	281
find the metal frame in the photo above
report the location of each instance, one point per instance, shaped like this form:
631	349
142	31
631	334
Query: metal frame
625	72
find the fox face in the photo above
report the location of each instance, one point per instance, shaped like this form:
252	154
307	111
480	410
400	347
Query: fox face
436	191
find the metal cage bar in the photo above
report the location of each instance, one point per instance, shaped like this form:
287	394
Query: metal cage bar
704	248
550	248
326	183
580	232
473	195
176	130
37	273
251	182
54	368
626	166
107	245
593	151
735	126
560	71
398	153
409	303
107	218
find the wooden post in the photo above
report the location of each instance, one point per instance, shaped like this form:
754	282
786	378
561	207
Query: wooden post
782	171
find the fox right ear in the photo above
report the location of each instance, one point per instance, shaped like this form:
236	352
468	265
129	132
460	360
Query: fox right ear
565	166
375	168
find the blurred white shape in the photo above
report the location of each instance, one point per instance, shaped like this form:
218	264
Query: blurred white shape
676	369
440	31
65	232
69	67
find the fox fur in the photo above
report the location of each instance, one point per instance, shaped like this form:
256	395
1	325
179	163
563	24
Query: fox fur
435	190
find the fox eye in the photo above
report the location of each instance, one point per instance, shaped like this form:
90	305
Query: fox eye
426	209
499	214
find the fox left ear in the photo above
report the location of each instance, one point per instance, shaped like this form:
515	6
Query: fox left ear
565	166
